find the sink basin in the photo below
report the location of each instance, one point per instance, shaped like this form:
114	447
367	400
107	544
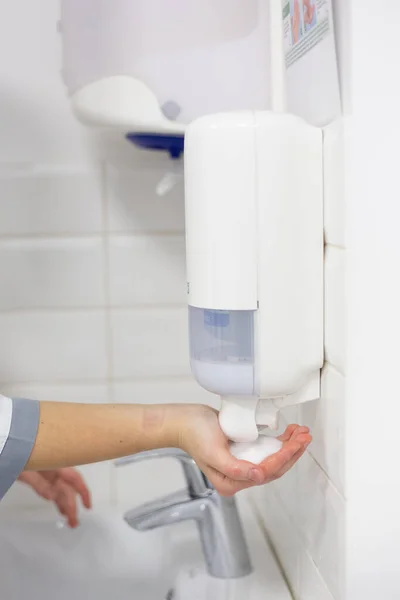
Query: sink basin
102	559
106	559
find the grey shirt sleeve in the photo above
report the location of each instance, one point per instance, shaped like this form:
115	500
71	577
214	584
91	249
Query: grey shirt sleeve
20	441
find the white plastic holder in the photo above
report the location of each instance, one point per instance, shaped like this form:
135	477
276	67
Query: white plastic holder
123	104
172	178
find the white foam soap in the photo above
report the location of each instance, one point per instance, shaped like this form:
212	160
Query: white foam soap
256	452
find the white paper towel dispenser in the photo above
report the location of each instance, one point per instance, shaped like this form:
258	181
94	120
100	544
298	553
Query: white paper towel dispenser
147	68
254	241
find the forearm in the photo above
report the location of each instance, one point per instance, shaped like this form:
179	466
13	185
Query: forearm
74	434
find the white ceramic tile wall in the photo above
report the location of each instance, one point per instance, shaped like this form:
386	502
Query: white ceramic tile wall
304	512
51	272
142	342
92	263
147	270
43	199
129	191
36	128
92	314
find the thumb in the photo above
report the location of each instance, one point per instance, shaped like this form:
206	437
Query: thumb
238	470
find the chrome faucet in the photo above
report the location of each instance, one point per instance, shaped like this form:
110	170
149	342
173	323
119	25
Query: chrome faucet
218	522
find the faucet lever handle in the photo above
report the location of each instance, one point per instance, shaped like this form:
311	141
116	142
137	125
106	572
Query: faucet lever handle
196	482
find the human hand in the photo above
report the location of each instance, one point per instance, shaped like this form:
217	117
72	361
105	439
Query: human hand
202	438
61	486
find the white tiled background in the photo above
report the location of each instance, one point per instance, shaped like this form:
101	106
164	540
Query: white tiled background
92	265
304	513
92	307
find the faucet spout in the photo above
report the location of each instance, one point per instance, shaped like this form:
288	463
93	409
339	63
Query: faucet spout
161	512
221	534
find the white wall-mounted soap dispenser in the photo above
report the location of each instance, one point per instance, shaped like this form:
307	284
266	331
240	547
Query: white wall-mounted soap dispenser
254	239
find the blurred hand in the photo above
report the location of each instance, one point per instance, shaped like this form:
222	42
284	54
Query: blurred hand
61	486
202	438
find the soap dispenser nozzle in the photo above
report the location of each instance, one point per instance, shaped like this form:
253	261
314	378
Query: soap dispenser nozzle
241	418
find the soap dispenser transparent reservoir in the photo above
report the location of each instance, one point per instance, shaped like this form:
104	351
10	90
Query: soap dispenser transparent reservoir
222	350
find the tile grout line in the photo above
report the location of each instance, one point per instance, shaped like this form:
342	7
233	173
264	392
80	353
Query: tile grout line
98	309
322	580
323	261
62	235
185	378
327	477
301	536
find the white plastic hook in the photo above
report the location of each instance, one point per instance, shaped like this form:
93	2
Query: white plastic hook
170	179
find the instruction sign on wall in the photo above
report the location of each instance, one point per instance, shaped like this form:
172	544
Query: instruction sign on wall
312	79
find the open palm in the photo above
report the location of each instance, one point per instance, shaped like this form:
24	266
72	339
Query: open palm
205	441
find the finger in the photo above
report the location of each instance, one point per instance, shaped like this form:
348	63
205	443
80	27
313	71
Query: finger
279	463
232	468
231	488
292	431
50	476
291	462
239	470
272	468
299	432
304	439
244	471
228	487
42	487
75	479
274	463
224	485
67	505
281	472
288	433
289	465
